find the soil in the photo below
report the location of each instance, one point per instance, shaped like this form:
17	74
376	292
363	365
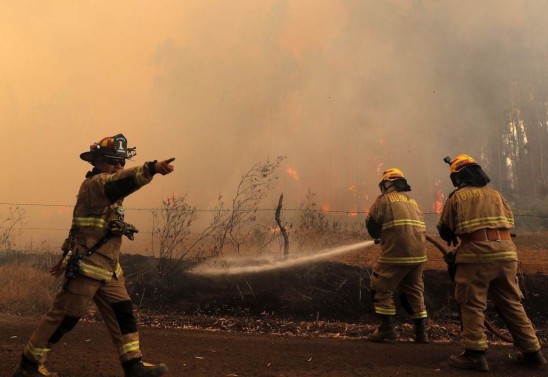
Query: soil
86	352
306	321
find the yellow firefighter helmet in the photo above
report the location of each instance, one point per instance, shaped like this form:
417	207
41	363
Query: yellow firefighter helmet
392	174
393	177
462	161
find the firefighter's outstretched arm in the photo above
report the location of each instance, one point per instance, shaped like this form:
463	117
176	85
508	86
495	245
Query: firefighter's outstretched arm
126	182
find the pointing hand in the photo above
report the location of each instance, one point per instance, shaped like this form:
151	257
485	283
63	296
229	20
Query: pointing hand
164	167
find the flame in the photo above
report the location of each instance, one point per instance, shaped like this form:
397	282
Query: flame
358	192
272	230
292	173
325	208
352	213
437	206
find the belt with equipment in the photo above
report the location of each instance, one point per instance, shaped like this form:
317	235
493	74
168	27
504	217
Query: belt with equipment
486	234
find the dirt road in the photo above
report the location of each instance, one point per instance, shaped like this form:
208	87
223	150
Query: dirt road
88	352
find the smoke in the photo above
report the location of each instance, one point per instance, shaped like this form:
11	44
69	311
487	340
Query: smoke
343	89
393	83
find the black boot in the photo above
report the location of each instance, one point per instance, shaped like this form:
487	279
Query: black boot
420	331
38	371
469	359
136	368
535	359
386	331
27	368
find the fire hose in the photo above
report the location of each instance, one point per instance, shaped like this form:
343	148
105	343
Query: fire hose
447	258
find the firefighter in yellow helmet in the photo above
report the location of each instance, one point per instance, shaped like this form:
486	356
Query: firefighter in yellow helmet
90	261
487	262
397	220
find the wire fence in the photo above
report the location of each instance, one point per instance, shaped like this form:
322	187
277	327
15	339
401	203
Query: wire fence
45	226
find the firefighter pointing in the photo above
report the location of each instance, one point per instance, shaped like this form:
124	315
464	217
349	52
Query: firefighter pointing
398	221
486	261
91	256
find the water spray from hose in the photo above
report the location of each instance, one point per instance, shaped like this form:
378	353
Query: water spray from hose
243	266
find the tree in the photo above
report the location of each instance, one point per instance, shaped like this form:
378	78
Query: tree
230	227
236	222
316	231
10	226
171	227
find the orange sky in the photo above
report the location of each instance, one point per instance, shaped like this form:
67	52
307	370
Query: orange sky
337	87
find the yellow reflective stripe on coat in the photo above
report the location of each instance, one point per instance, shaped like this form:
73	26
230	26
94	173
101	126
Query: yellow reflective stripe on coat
89	221
395	223
140	177
95	272
494	221
487	257
479	345
38	352
403	260
422	314
118	271
128	347
385	311
100	273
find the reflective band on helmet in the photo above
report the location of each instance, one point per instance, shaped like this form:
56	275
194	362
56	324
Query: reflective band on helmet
461	161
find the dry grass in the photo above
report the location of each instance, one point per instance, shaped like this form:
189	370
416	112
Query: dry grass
25	289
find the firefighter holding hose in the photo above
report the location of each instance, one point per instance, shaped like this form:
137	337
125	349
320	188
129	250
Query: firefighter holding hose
90	261
397	220
486	263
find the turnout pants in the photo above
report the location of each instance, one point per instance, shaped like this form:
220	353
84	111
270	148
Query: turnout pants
474	281
407	280
70	304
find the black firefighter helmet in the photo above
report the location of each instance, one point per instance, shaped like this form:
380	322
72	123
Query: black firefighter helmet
112	147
